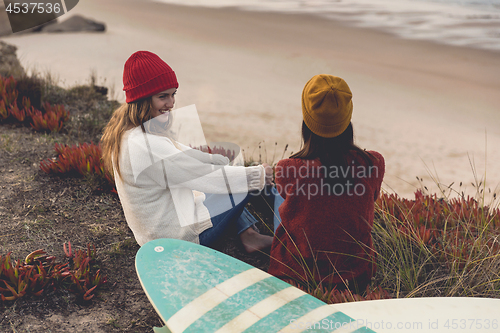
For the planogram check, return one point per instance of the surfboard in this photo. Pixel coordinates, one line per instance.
(197, 289)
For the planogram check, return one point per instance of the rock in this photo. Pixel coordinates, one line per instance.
(5, 28)
(42, 26)
(75, 23)
(9, 64)
(101, 90)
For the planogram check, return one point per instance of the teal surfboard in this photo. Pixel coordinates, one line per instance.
(197, 289)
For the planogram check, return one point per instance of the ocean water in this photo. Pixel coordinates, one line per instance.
(472, 23)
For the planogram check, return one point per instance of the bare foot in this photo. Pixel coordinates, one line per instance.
(253, 241)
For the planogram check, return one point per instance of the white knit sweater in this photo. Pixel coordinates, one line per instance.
(162, 186)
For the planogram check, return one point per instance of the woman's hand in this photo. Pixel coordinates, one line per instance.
(218, 159)
(269, 173)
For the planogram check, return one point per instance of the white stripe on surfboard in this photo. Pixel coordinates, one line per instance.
(261, 309)
(193, 311)
(315, 316)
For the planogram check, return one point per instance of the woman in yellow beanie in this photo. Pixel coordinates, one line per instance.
(327, 194)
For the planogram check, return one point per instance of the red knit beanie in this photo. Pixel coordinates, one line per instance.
(145, 74)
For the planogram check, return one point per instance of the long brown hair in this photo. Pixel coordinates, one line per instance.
(332, 152)
(127, 116)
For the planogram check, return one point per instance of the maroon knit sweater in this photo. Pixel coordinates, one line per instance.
(321, 235)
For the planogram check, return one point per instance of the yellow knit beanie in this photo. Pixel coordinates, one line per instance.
(327, 105)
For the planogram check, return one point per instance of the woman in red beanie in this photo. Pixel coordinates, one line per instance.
(329, 188)
(166, 189)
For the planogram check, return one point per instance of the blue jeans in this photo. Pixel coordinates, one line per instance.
(238, 214)
(278, 200)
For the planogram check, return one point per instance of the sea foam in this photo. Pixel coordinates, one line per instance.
(472, 23)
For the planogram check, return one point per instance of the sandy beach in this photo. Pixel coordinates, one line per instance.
(423, 105)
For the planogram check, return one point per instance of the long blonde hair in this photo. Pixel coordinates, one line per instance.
(127, 116)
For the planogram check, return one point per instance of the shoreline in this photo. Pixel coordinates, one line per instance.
(410, 16)
(417, 102)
